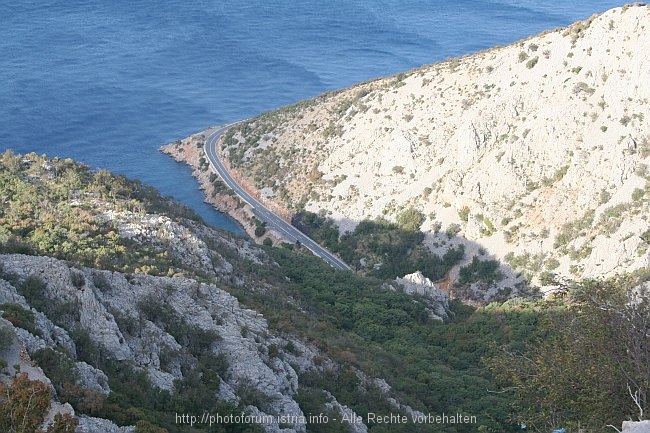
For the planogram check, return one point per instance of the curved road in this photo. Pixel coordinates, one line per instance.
(260, 211)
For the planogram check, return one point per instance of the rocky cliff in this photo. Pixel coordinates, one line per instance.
(144, 322)
(537, 150)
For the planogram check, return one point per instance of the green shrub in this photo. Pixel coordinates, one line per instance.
(6, 338)
(57, 366)
(487, 229)
(485, 271)
(33, 289)
(604, 196)
(20, 318)
(100, 280)
(78, 279)
(452, 230)
(583, 87)
(410, 219)
(575, 229)
(532, 62)
(318, 227)
(560, 173)
(273, 351)
(260, 230)
(552, 264)
(463, 213)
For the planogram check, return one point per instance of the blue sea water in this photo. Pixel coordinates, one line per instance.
(108, 83)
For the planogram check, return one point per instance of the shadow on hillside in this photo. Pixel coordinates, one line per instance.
(386, 250)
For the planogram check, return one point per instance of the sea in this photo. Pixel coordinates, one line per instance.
(108, 82)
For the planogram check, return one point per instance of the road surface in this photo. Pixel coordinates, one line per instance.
(261, 212)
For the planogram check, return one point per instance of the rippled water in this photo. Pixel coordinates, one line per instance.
(108, 83)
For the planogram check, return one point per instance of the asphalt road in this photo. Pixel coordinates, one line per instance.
(272, 220)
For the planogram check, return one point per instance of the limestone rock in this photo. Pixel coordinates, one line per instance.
(115, 319)
(436, 299)
(346, 413)
(98, 425)
(92, 378)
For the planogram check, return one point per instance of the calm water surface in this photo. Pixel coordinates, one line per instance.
(108, 83)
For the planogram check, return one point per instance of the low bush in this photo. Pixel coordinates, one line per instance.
(20, 318)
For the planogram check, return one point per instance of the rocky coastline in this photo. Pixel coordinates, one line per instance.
(190, 151)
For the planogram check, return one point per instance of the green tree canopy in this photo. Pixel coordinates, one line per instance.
(592, 368)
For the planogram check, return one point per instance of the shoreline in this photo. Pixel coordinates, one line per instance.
(189, 151)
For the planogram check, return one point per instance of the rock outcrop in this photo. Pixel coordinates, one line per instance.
(241, 335)
(144, 322)
(433, 296)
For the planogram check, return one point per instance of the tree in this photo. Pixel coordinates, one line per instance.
(6, 337)
(10, 161)
(65, 423)
(592, 366)
(410, 219)
(623, 316)
(24, 404)
(144, 426)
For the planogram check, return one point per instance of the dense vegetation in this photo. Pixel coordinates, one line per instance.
(389, 250)
(548, 363)
(591, 366)
(433, 367)
(55, 207)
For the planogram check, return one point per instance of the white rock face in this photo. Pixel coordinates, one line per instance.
(348, 414)
(418, 284)
(528, 137)
(98, 425)
(92, 378)
(161, 230)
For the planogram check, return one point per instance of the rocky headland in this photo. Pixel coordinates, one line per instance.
(190, 151)
(536, 153)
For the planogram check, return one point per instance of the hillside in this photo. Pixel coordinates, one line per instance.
(538, 151)
(121, 311)
(129, 309)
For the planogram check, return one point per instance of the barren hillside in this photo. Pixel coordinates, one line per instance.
(539, 151)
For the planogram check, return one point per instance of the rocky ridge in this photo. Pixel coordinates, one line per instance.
(539, 150)
(110, 309)
(145, 322)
